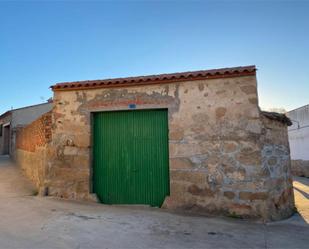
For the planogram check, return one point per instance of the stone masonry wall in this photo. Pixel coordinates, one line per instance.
(216, 139)
(32, 149)
(276, 166)
(300, 168)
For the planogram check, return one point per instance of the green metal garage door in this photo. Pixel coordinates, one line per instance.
(130, 156)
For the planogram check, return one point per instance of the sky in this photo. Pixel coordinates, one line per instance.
(46, 42)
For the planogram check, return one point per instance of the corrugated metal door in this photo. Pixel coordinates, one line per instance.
(131, 157)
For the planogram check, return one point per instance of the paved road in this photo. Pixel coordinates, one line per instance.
(27, 221)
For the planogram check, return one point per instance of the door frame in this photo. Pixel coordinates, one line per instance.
(6, 132)
(92, 113)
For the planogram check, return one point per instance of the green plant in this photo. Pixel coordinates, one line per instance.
(35, 192)
(234, 216)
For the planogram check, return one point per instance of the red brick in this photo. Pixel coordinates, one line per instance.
(36, 134)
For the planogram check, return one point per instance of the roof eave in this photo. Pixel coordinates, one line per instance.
(156, 79)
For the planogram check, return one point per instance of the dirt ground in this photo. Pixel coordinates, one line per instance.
(28, 221)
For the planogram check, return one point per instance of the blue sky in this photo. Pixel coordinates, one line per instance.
(42, 43)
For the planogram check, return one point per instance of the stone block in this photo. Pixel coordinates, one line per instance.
(230, 146)
(203, 192)
(196, 177)
(176, 134)
(229, 194)
(250, 156)
(251, 196)
(241, 209)
(250, 89)
(220, 112)
(70, 151)
(180, 163)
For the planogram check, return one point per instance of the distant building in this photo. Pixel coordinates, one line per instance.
(11, 120)
(299, 140)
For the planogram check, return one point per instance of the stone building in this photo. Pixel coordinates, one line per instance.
(299, 140)
(14, 119)
(191, 141)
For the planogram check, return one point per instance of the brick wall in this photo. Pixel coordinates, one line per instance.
(32, 148)
(36, 134)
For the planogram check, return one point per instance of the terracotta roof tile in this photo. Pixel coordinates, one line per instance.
(157, 79)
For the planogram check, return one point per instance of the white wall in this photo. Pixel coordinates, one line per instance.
(299, 133)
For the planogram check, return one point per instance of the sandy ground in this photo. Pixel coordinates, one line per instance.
(301, 194)
(27, 221)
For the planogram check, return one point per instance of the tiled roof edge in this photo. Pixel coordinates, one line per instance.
(156, 79)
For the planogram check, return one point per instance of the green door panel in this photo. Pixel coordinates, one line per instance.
(130, 157)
